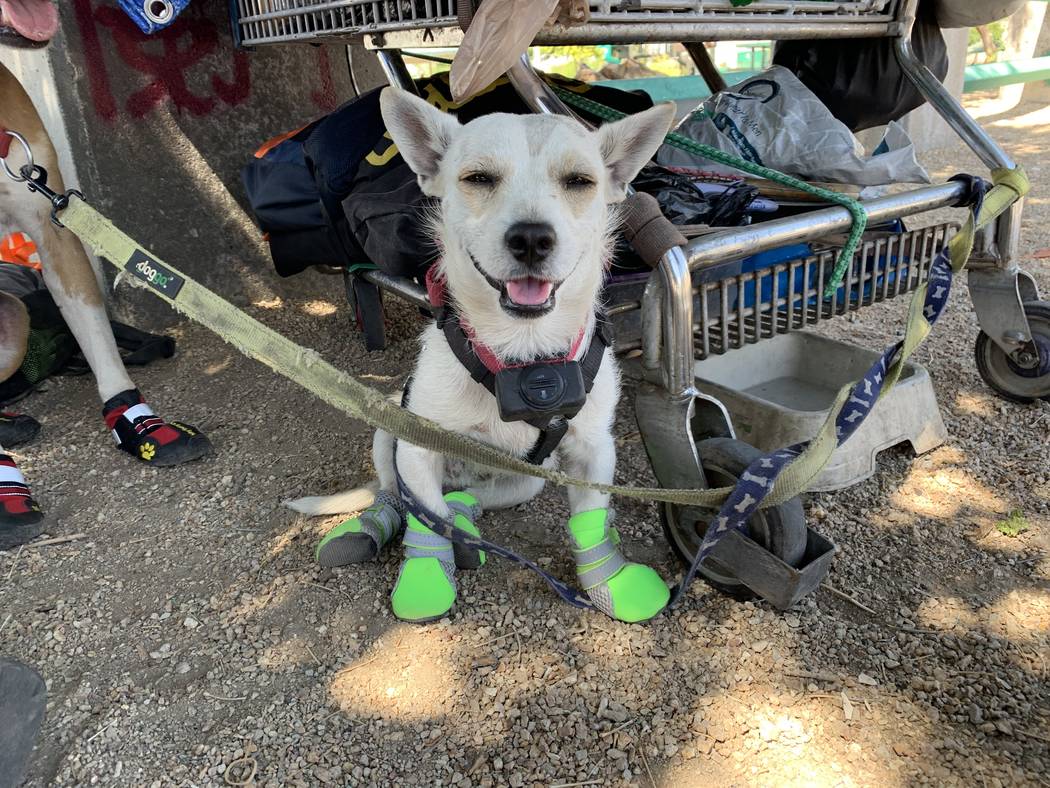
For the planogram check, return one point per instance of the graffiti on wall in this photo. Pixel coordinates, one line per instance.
(191, 65)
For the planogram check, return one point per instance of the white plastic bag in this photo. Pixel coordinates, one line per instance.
(774, 120)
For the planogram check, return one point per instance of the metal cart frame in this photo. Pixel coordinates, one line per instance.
(672, 414)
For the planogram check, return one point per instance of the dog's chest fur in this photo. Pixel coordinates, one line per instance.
(442, 390)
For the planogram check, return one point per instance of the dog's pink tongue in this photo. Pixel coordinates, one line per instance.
(529, 291)
(36, 20)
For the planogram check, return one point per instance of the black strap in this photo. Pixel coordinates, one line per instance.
(553, 430)
(601, 339)
(550, 436)
(464, 353)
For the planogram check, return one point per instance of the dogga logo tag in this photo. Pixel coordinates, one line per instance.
(154, 274)
(151, 274)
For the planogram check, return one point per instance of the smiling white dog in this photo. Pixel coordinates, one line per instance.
(518, 353)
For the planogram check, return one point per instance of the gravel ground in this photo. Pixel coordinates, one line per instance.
(188, 637)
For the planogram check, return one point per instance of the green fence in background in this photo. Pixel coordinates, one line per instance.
(988, 76)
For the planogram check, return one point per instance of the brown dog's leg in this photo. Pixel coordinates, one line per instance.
(73, 284)
(67, 270)
(14, 334)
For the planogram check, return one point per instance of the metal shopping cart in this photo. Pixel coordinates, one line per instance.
(726, 290)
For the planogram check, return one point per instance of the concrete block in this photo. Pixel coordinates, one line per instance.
(155, 129)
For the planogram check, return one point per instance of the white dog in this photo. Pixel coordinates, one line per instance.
(525, 227)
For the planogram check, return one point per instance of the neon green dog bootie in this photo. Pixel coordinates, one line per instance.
(622, 590)
(426, 585)
(361, 538)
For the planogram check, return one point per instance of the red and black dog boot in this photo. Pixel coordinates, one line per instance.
(17, 428)
(20, 516)
(146, 436)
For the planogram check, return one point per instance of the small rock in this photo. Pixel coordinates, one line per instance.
(864, 678)
(182, 667)
(759, 646)
(615, 754)
(847, 707)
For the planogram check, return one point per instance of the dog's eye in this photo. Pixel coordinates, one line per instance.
(479, 178)
(578, 181)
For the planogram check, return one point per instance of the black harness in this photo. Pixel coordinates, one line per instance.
(544, 393)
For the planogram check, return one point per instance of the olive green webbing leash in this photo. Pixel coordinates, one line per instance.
(369, 405)
(360, 401)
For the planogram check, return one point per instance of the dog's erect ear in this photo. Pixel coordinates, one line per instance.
(628, 144)
(421, 132)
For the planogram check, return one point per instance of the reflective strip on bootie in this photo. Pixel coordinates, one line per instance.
(361, 538)
(428, 545)
(619, 588)
(599, 572)
(383, 518)
(426, 583)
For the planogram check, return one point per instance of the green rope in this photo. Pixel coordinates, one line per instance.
(856, 210)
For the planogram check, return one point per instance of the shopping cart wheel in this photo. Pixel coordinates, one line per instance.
(779, 529)
(1024, 377)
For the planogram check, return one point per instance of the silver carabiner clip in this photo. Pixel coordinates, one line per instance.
(18, 177)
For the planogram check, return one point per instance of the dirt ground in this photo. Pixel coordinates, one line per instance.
(189, 638)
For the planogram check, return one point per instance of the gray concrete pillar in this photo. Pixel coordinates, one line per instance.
(367, 73)
(155, 130)
(925, 127)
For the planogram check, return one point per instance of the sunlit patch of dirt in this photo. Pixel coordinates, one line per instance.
(252, 605)
(1029, 120)
(288, 654)
(971, 404)
(319, 308)
(945, 491)
(408, 676)
(269, 303)
(1021, 616)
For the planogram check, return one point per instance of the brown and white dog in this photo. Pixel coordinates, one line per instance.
(76, 288)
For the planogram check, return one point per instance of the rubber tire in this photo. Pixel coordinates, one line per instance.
(780, 529)
(991, 360)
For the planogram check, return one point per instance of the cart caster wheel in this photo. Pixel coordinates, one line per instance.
(1024, 378)
(779, 529)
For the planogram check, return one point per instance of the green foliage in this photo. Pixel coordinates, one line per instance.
(997, 29)
(1014, 525)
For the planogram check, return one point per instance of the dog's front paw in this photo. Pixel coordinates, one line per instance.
(426, 585)
(619, 588)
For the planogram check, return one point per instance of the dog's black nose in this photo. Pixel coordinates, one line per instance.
(530, 242)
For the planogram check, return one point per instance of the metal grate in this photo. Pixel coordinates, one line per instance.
(712, 10)
(749, 307)
(284, 21)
